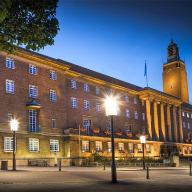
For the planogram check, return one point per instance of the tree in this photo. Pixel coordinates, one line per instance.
(27, 22)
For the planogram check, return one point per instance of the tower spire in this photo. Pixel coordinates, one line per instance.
(171, 38)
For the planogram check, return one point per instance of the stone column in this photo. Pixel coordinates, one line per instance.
(169, 122)
(163, 121)
(148, 114)
(175, 124)
(156, 124)
(180, 124)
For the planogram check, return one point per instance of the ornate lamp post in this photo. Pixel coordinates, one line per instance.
(142, 139)
(14, 128)
(111, 110)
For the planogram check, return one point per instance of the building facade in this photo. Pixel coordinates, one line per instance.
(60, 108)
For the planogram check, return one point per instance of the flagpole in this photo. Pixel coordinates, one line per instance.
(146, 72)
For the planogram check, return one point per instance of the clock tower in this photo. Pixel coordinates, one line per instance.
(175, 75)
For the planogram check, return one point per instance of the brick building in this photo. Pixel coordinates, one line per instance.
(51, 99)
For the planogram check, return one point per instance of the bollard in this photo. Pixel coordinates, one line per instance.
(60, 166)
(147, 173)
(104, 165)
(190, 170)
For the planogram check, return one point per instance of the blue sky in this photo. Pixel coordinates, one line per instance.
(116, 37)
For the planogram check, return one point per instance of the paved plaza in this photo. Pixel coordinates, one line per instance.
(94, 179)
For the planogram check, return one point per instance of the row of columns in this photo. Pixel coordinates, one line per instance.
(162, 118)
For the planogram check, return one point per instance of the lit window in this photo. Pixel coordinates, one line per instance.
(53, 95)
(108, 126)
(130, 147)
(183, 113)
(188, 115)
(135, 100)
(54, 145)
(33, 91)
(109, 147)
(87, 126)
(143, 103)
(73, 102)
(185, 150)
(98, 146)
(108, 93)
(52, 75)
(53, 123)
(119, 112)
(33, 69)
(97, 90)
(73, 84)
(127, 113)
(128, 128)
(98, 107)
(121, 147)
(9, 86)
(8, 144)
(126, 99)
(86, 88)
(10, 63)
(188, 125)
(118, 96)
(139, 147)
(33, 145)
(85, 146)
(190, 150)
(86, 105)
(143, 116)
(135, 115)
(10, 117)
(148, 149)
(32, 120)
(183, 124)
(191, 115)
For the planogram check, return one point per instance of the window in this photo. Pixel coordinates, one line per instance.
(73, 84)
(10, 63)
(148, 150)
(109, 147)
(108, 126)
(53, 123)
(98, 146)
(86, 88)
(86, 105)
(33, 91)
(33, 69)
(87, 126)
(185, 150)
(183, 124)
(135, 115)
(33, 145)
(130, 147)
(53, 75)
(143, 116)
(190, 150)
(85, 146)
(73, 102)
(191, 115)
(143, 103)
(32, 120)
(54, 145)
(139, 147)
(10, 117)
(9, 86)
(127, 113)
(119, 112)
(53, 95)
(128, 128)
(188, 115)
(188, 125)
(97, 90)
(183, 113)
(126, 99)
(108, 93)
(121, 147)
(118, 96)
(135, 100)
(8, 144)
(98, 107)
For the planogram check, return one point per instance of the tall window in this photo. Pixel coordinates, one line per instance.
(188, 125)
(130, 147)
(32, 120)
(86, 88)
(126, 99)
(118, 96)
(108, 126)
(85, 146)
(9, 86)
(109, 147)
(135, 115)
(98, 107)
(98, 146)
(97, 90)
(188, 115)
(119, 112)
(185, 150)
(8, 144)
(33, 69)
(148, 149)
(10, 63)
(127, 113)
(128, 128)
(121, 147)
(143, 116)
(33, 145)
(73, 102)
(86, 105)
(183, 124)
(139, 147)
(135, 100)
(73, 84)
(53, 123)
(33, 91)
(53, 95)
(183, 113)
(52, 75)
(87, 126)
(54, 145)
(10, 117)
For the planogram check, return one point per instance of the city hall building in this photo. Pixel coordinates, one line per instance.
(60, 109)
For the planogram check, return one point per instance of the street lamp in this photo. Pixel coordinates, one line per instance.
(111, 110)
(14, 127)
(142, 139)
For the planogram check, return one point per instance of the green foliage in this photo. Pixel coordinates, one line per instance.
(28, 22)
(98, 158)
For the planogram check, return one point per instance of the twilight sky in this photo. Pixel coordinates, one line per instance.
(115, 37)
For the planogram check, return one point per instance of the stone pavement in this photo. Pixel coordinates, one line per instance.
(95, 179)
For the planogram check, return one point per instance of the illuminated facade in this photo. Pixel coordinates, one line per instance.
(52, 98)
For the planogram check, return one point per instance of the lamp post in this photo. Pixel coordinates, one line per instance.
(111, 110)
(14, 128)
(142, 139)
